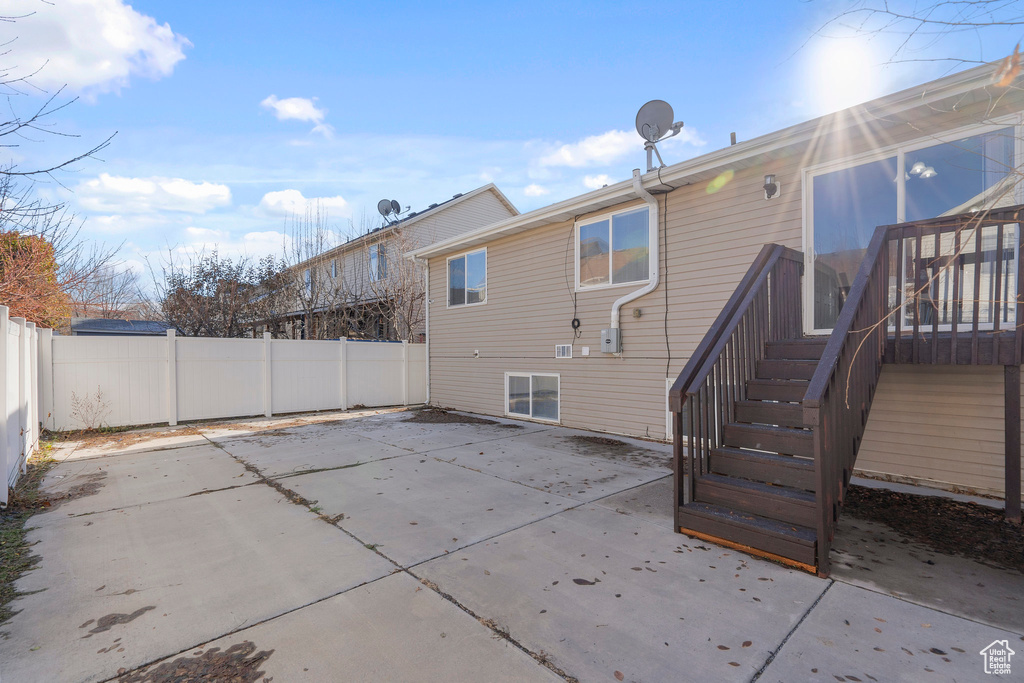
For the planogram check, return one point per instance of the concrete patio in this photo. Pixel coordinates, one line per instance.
(361, 546)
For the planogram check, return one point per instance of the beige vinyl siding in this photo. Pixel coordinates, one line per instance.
(709, 243)
(943, 425)
(473, 212)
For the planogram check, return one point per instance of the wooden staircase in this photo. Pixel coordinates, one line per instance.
(759, 490)
(768, 423)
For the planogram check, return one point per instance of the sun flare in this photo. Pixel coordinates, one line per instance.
(843, 74)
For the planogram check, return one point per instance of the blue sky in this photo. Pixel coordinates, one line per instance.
(230, 115)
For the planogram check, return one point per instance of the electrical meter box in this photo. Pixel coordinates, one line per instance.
(611, 342)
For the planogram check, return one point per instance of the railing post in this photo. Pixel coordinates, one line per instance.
(172, 379)
(1011, 416)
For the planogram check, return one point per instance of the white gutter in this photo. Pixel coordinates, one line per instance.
(653, 251)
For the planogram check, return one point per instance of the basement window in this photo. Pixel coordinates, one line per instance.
(613, 250)
(467, 279)
(532, 395)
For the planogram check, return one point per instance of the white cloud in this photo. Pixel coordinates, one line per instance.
(535, 190)
(290, 202)
(299, 109)
(120, 195)
(596, 150)
(596, 182)
(93, 46)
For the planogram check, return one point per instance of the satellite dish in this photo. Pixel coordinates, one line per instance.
(654, 120)
(396, 207)
(385, 207)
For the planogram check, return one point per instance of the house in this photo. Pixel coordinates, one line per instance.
(363, 289)
(726, 274)
(95, 327)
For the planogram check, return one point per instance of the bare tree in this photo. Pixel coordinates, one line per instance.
(207, 295)
(113, 292)
(395, 285)
(22, 211)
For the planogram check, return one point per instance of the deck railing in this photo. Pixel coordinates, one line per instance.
(939, 291)
(765, 307)
(953, 293)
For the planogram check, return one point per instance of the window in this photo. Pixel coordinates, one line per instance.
(378, 262)
(308, 276)
(912, 183)
(613, 250)
(532, 395)
(467, 279)
(334, 268)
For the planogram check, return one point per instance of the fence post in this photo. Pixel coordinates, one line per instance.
(22, 388)
(4, 408)
(172, 379)
(32, 409)
(46, 378)
(268, 387)
(344, 373)
(405, 372)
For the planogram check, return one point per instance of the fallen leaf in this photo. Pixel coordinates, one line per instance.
(582, 582)
(747, 643)
(619, 676)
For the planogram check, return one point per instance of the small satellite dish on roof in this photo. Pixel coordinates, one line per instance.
(385, 206)
(396, 208)
(653, 123)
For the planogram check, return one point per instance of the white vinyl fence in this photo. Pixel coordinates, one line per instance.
(20, 381)
(119, 381)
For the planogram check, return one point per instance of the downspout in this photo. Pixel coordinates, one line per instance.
(426, 302)
(654, 255)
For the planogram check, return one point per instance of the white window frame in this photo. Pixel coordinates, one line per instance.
(597, 219)
(378, 256)
(899, 151)
(334, 268)
(308, 276)
(530, 376)
(448, 275)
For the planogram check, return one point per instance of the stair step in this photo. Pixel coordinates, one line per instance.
(793, 542)
(770, 468)
(768, 413)
(786, 369)
(796, 349)
(776, 390)
(764, 438)
(775, 502)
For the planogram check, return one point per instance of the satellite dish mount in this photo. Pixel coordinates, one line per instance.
(389, 207)
(654, 123)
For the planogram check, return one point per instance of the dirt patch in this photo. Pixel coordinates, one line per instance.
(442, 416)
(599, 441)
(119, 437)
(620, 451)
(946, 526)
(240, 663)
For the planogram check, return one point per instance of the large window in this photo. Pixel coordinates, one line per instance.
(467, 279)
(613, 250)
(532, 395)
(911, 183)
(378, 262)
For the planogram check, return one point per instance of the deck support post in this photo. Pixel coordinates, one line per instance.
(1011, 382)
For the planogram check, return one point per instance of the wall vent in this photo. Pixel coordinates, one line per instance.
(563, 350)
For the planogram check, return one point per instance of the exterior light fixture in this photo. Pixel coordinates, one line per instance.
(771, 188)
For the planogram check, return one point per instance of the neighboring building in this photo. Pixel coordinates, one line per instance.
(550, 279)
(364, 289)
(104, 327)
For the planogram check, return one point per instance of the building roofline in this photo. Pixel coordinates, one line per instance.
(408, 221)
(609, 195)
